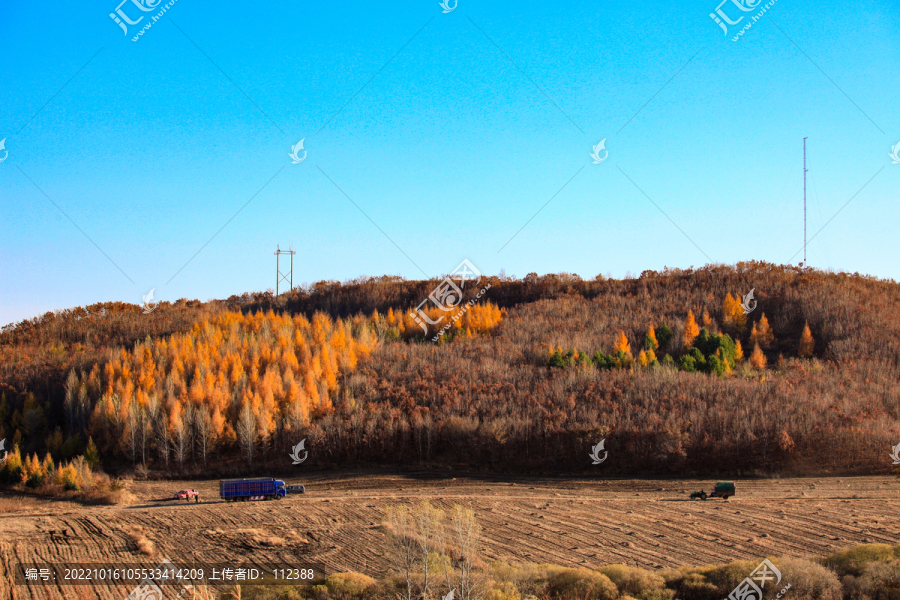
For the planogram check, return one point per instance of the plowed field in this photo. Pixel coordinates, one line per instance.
(650, 524)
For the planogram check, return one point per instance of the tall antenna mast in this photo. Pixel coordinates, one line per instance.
(804, 201)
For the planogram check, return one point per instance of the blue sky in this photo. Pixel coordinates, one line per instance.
(448, 133)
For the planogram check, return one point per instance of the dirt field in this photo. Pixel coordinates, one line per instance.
(650, 524)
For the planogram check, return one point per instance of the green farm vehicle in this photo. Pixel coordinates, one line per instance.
(723, 490)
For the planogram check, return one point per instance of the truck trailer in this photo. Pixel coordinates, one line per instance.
(241, 490)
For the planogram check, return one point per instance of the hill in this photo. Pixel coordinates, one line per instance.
(666, 368)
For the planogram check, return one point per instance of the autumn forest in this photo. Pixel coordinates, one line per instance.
(668, 367)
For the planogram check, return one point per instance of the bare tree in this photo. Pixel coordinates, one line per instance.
(180, 422)
(430, 538)
(204, 433)
(71, 399)
(190, 413)
(466, 533)
(84, 406)
(130, 439)
(403, 547)
(295, 418)
(160, 429)
(246, 432)
(136, 433)
(143, 431)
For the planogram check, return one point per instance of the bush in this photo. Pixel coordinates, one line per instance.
(881, 581)
(529, 579)
(853, 560)
(349, 586)
(709, 582)
(696, 587)
(633, 581)
(503, 591)
(35, 480)
(661, 594)
(581, 584)
(808, 580)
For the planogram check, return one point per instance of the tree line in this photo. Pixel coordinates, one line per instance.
(804, 382)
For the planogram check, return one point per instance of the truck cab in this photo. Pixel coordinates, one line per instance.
(279, 488)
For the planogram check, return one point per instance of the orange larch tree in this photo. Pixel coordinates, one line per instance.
(806, 342)
(622, 344)
(691, 331)
(757, 358)
(762, 333)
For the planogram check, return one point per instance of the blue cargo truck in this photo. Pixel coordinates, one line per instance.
(241, 490)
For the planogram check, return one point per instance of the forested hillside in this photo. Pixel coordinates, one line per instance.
(667, 368)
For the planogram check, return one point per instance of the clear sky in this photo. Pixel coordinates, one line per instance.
(432, 137)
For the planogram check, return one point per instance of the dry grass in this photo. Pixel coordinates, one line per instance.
(293, 536)
(262, 537)
(13, 504)
(202, 592)
(144, 544)
(110, 497)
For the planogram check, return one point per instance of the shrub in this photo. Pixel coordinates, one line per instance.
(660, 594)
(632, 580)
(581, 584)
(881, 581)
(530, 579)
(503, 591)
(709, 582)
(349, 586)
(808, 580)
(35, 480)
(694, 586)
(853, 560)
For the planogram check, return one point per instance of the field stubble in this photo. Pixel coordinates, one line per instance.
(337, 523)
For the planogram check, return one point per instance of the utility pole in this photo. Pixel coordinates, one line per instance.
(804, 201)
(279, 276)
